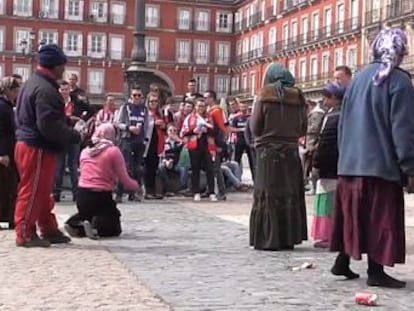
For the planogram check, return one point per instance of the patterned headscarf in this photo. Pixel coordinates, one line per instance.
(389, 48)
(335, 89)
(280, 77)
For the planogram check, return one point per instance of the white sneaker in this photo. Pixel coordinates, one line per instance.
(197, 197)
(213, 198)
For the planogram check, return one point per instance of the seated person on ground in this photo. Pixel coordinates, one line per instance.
(101, 163)
(169, 161)
(233, 174)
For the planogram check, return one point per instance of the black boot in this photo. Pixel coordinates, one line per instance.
(341, 267)
(377, 277)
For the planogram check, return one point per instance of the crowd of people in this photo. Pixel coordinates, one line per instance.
(354, 151)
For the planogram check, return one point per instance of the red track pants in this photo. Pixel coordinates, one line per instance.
(35, 202)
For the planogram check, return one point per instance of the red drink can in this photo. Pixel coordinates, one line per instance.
(366, 299)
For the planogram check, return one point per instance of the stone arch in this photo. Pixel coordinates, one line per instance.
(143, 77)
(166, 78)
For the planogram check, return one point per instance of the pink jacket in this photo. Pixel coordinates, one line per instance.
(100, 172)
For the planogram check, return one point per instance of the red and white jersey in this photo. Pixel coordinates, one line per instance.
(104, 116)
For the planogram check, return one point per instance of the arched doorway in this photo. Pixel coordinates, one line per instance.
(144, 77)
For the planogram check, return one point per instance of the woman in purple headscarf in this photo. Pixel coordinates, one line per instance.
(376, 159)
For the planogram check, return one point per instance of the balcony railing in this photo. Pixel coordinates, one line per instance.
(373, 17)
(241, 92)
(288, 5)
(399, 8)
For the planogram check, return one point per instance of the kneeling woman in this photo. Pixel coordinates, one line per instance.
(100, 164)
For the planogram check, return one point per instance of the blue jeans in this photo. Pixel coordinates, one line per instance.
(233, 173)
(182, 172)
(71, 155)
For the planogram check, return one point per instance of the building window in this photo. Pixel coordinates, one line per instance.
(272, 40)
(201, 52)
(202, 83)
(97, 45)
(74, 10)
(49, 9)
(285, 35)
(294, 30)
(118, 13)
(72, 44)
(222, 86)
(48, 36)
(23, 7)
(235, 83)
(252, 84)
(302, 75)
(2, 38)
(223, 53)
(202, 20)
(292, 67)
(95, 81)
(2, 5)
(151, 48)
(224, 22)
(183, 51)
(22, 35)
(352, 58)
(184, 19)
(244, 83)
(98, 12)
(325, 65)
(340, 17)
(314, 68)
(339, 57)
(354, 13)
(23, 70)
(152, 16)
(116, 47)
(2, 73)
(304, 29)
(315, 25)
(328, 21)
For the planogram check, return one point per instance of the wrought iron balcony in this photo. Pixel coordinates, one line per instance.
(399, 8)
(373, 17)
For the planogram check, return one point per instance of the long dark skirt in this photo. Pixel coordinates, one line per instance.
(278, 216)
(99, 208)
(369, 218)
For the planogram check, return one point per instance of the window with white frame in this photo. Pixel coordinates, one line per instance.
(74, 10)
(354, 13)
(325, 64)
(201, 51)
(202, 20)
(96, 81)
(99, 11)
(272, 40)
(221, 86)
(238, 48)
(118, 11)
(184, 19)
(304, 29)
(49, 9)
(252, 83)
(97, 45)
(23, 70)
(315, 25)
(328, 21)
(274, 7)
(253, 44)
(22, 43)
(285, 35)
(223, 53)
(294, 31)
(245, 49)
(292, 67)
(151, 48)
(339, 57)
(203, 82)
(248, 17)
(48, 36)
(340, 17)
(351, 58)
(235, 83)
(224, 22)
(2, 39)
(314, 67)
(72, 43)
(260, 43)
(302, 66)
(183, 51)
(23, 7)
(73, 70)
(116, 47)
(2, 73)
(152, 16)
(2, 6)
(244, 82)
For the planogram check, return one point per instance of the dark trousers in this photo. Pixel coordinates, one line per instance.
(239, 149)
(71, 155)
(133, 155)
(218, 172)
(99, 209)
(201, 157)
(8, 193)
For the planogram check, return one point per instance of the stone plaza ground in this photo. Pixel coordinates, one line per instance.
(180, 255)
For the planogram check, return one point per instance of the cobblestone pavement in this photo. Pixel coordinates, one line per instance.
(179, 255)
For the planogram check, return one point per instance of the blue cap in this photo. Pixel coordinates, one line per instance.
(51, 55)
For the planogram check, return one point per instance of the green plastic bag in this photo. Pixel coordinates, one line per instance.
(184, 160)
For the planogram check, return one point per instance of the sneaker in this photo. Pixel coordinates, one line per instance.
(73, 232)
(221, 197)
(213, 198)
(36, 241)
(90, 231)
(197, 197)
(57, 238)
(118, 199)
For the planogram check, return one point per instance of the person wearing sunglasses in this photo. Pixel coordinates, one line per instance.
(131, 122)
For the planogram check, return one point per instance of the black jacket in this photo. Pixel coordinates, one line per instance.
(325, 157)
(7, 129)
(81, 108)
(40, 116)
